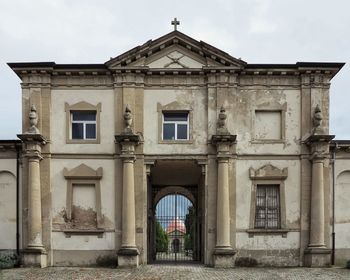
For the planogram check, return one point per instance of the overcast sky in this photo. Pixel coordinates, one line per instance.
(92, 31)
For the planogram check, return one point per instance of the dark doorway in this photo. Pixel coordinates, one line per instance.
(175, 228)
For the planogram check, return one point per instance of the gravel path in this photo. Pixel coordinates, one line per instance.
(157, 272)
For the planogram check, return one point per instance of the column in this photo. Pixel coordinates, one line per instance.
(223, 213)
(34, 221)
(317, 254)
(128, 222)
(223, 255)
(128, 254)
(34, 254)
(317, 205)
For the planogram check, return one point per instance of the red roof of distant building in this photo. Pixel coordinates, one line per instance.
(176, 224)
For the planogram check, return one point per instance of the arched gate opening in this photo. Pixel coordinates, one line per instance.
(176, 225)
(176, 196)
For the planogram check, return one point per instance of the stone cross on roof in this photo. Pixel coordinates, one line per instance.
(175, 22)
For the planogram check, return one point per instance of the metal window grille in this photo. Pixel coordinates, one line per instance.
(267, 210)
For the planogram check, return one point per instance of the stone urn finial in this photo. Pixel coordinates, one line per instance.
(316, 120)
(33, 121)
(221, 124)
(127, 120)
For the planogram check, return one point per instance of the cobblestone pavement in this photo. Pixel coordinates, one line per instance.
(157, 272)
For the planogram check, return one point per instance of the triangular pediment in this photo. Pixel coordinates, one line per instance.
(175, 50)
(268, 172)
(173, 57)
(82, 172)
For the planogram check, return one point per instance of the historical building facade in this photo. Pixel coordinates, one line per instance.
(247, 145)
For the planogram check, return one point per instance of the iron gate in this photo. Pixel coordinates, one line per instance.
(176, 229)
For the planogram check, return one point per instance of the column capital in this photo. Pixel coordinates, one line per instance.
(223, 145)
(319, 146)
(33, 155)
(315, 139)
(203, 164)
(126, 138)
(128, 142)
(223, 139)
(149, 163)
(33, 144)
(223, 159)
(29, 138)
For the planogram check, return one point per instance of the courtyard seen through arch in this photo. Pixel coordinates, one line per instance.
(175, 228)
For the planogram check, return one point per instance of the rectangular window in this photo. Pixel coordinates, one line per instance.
(267, 211)
(83, 125)
(175, 126)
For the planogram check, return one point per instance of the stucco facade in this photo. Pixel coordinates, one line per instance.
(249, 126)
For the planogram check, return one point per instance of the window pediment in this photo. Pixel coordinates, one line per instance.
(268, 172)
(82, 172)
(83, 106)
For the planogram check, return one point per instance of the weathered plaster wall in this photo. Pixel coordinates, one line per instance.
(342, 214)
(81, 243)
(243, 114)
(59, 194)
(291, 185)
(73, 96)
(7, 201)
(269, 249)
(8, 162)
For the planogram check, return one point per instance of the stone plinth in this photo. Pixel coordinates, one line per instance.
(224, 257)
(317, 257)
(128, 257)
(34, 258)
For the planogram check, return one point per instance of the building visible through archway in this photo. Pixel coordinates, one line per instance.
(175, 224)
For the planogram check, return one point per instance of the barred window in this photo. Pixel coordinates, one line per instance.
(267, 211)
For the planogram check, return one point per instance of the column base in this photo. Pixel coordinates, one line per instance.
(317, 257)
(34, 258)
(128, 257)
(224, 257)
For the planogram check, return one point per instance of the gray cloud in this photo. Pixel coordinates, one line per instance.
(91, 31)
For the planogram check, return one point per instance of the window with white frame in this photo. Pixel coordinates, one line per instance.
(175, 126)
(83, 125)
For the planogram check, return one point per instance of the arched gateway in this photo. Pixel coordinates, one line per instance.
(175, 224)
